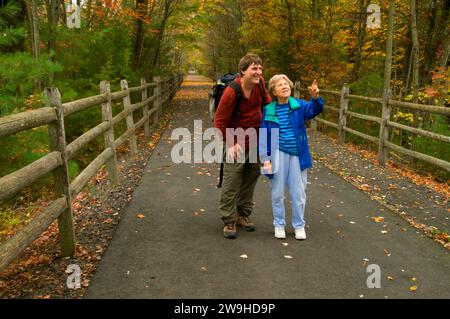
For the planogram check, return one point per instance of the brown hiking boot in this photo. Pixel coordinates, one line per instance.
(246, 222)
(229, 230)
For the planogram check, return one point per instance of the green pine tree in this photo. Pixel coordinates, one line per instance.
(10, 34)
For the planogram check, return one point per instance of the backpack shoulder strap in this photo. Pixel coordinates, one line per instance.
(237, 90)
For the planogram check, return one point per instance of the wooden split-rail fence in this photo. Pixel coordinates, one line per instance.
(56, 161)
(384, 145)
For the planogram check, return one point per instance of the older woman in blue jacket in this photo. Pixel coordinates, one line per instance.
(284, 150)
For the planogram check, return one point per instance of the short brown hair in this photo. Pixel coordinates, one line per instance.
(248, 60)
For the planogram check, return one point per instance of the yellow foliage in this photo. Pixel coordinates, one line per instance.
(409, 117)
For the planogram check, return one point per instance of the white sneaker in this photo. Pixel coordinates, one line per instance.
(279, 233)
(300, 233)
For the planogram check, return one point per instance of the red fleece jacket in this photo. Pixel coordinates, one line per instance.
(249, 114)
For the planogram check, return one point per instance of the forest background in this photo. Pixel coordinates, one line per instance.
(326, 40)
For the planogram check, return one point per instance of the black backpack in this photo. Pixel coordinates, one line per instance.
(217, 91)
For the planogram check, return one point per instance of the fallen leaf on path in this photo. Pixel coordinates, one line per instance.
(140, 216)
(390, 278)
(86, 283)
(378, 219)
(413, 288)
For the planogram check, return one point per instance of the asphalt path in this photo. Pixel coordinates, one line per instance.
(177, 249)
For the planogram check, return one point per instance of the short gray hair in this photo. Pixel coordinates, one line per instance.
(274, 80)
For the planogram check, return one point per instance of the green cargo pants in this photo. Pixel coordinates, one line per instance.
(239, 181)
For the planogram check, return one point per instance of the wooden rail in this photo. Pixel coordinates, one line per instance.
(56, 161)
(381, 140)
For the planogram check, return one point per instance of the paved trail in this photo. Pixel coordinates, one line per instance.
(178, 251)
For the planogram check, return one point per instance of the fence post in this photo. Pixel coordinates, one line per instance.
(172, 85)
(166, 90)
(145, 109)
(57, 137)
(343, 105)
(163, 92)
(386, 111)
(157, 100)
(130, 121)
(105, 88)
(384, 129)
(296, 89)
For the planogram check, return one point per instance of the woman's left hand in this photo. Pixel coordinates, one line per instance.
(314, 89)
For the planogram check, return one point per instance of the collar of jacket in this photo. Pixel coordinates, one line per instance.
(271, 112)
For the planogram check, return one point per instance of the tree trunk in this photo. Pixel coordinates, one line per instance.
(407, 69)
(362, 21)
(429, 45)
(386, 112)
(389, 40)
(443, 65)
(415, 53)
(330, 22)
(35, 38)
(290, 22)
(285, 55)
(141, 8)
(63, 14)
(167, 12)
(52, 11)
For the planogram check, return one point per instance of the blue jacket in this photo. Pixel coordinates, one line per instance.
(301, 111)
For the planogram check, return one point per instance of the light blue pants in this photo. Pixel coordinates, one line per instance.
(286, 169)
